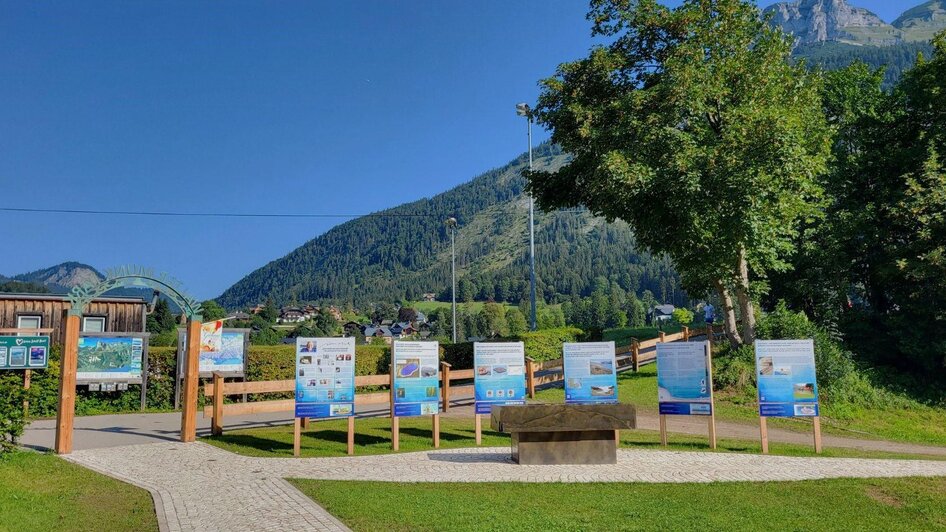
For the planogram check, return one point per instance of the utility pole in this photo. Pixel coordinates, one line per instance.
(522, 109)
(452, 224)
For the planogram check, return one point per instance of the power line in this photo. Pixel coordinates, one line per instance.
(228, 214)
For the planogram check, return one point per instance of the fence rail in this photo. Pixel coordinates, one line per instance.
(538, 373)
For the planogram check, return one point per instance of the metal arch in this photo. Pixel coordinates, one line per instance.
(134, 277)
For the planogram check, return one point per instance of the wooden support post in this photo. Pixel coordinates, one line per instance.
(663, 430)
(709, 337)
(617, 438)
(66, 410)
(478, 429)
(816, 421)
(216, 421)
(436, 431)
(764, 434)
(191, 382)
(445, 375)
(305, 423)
(712, 416)
(530, 377)
(296, 437)
(351, 435)
(27, 376)
(395, 434)
(686, 334)
(635, 355)
(661, 335)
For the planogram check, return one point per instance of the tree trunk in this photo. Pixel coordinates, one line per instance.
(745, 300)
(729, 314)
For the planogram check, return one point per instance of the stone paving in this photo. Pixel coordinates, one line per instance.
(200, 487)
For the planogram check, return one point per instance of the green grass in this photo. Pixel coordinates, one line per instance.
(625, 335)
(917, 424)
(44, 492)
(373, 436)
(842, 504)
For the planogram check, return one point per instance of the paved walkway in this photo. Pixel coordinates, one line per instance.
(200, 487)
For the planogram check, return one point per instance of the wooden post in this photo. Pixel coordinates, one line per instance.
(296, 437)
(686, 333)
(351, 435)
(216, 421)
(663, 430)
(305, 423)
(436, 431)
(764, 433)
(661, 336)
(712, 416)
(445, 375)
(395, 427)
(635, 355)
(27, 376)
(478, 429)
(530, 377)
(817, 425)
(66, 410)
(191, 382)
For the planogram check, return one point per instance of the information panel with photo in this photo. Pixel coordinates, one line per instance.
(787, 380)
(416, 378)
(110, 358)
(228, 356)
(590, 373)
(24, 352)
(325, 377)
(499, 374)
(683, 378)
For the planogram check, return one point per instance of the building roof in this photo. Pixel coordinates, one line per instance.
(664, 309)
(64, 297)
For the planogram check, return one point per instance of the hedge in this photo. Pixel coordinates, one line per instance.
(264, 363)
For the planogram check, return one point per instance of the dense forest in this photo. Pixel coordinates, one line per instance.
(404, 252)
(895, 59)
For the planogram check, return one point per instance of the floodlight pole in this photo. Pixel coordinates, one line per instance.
(522, 109)
(452, 223)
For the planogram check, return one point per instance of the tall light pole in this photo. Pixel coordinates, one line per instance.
(452, 224)
(522, 109)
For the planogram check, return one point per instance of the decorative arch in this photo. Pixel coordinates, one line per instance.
(134, 277)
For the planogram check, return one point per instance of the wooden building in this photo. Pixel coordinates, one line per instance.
(43, 311)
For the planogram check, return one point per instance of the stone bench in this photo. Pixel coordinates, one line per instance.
(563, 434)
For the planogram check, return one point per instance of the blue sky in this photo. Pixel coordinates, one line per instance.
(321, 107)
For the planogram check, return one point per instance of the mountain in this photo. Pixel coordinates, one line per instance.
(404, 252)
(923, 21)
(832, 20)
(61, 277)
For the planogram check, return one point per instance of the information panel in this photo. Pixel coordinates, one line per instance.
(416, 378)
(110, 358)
(786, 375)
(683, 378)
(590, 373)
(325, 377)
(24, 352)
(499, 374)
(230, 358)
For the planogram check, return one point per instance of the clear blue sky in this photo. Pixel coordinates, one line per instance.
(322, 107)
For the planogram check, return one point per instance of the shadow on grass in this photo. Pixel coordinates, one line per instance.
(341, 437)
(254, 442)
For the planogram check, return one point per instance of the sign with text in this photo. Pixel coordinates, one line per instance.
(590, 373)
(416, 378)
(683, 379)
(499, 374)
(24, 352)
(229, 358)
(110, 358)
(325, 377)
(787, 379)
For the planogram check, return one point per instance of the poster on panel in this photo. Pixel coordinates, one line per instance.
(590, 373)
(787, 379)
(110, 358)
(325, 377)
(499, 374)
(416, 378)
(683, 379)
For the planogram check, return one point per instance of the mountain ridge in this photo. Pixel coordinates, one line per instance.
(813, 21)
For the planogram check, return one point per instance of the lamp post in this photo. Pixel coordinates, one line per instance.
(523, 109)
(452, 224)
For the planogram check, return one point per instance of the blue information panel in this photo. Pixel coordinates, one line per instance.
(500, 377)
(683, 379)
(416, 378)
(590, 373)
(786, 374)
(24, 352)
(325, 377)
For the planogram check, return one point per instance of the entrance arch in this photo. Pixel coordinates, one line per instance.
(79, 298)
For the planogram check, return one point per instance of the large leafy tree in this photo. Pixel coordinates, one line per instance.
(693, 126)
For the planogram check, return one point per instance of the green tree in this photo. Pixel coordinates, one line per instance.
(406, 314)
(492, 320)
(161, 320)
(697, 113)
(516, 321)
(682, 316)
(270, 311)
(383, 311)
(211, 311)
(464, 291)
(636, 315)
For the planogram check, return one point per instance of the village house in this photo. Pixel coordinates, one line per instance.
(47, 311)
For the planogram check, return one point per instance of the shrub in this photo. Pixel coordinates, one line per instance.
(12, 420)
(682, 316)
(546, 344)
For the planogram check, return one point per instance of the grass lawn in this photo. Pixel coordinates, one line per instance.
(844, 504)
(918, 424)
(373, 436)
(44, 492)
(625, 335)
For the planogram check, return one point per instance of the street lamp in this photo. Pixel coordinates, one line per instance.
(452, 224)
(523, 109)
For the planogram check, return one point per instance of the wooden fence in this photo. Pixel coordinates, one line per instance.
(630, 356)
